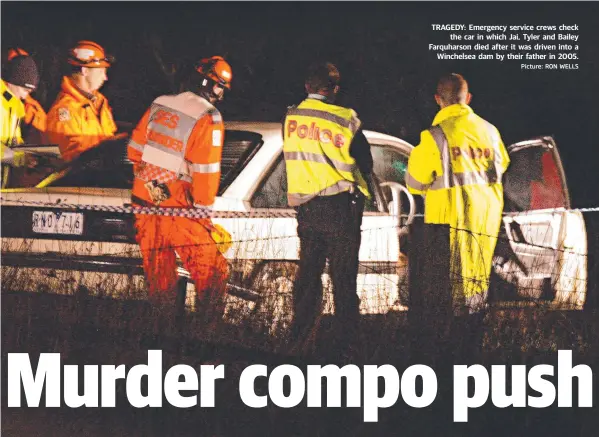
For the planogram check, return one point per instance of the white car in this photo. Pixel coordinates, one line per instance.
(541, 255)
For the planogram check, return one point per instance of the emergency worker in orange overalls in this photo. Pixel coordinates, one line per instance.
(176, 150)
(35, 116)
(80, 117)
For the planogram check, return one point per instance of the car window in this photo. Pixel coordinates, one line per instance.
(107, 165)
(272, 192)
(104, 166)
(238, 149)
(533, 181)
(24, 177)
(97, 177)
(389, 165)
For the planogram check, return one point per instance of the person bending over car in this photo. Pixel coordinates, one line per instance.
(176, 150)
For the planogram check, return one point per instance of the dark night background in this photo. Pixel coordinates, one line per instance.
(381, 48)
(388, 77)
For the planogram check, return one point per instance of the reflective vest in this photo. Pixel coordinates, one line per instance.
(176, 149)
(13, 112)
(316, 144)
(458, 167)
(77, 123)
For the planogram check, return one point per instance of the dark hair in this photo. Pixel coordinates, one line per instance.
(452, 89)
(75, 69)
(322, 77)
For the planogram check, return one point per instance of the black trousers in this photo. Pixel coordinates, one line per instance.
(328, 228)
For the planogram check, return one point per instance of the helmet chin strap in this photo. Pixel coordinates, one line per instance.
(207, 91)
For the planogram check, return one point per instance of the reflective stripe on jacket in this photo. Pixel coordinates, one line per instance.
(12, 114)
(178, 143)
(77, 123)
(316, 146)
(458, 167)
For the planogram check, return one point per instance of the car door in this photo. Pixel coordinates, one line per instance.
(541, 251)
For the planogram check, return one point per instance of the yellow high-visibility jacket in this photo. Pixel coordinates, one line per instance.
(316, 145)
(458, 167)
(12, 113)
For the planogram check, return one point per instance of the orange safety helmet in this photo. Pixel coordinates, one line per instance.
(13, 53)
(216, 69)
(89, 54)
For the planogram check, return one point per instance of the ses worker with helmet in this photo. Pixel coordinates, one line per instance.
(458, 167)
(328, 162)
(19, 78)
(176, 150)
(81, 118)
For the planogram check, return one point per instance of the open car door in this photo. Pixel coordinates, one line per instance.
(541, 251)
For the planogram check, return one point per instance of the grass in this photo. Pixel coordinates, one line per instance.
(92, 330)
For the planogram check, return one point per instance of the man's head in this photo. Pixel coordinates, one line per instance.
(452, 89)
(211, 77)
(323, 79)
(21, 76)
(90, 63)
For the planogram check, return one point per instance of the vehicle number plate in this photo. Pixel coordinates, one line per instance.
(50, 222)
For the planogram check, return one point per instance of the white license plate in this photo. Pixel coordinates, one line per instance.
(49, 222)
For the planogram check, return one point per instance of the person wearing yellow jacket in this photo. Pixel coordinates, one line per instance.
(458, 167)
(35, 116)
(20, 78)
(81, 118)
(328, 163)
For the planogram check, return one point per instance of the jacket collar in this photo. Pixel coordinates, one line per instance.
(317, 97)
(82, 97)
(4, 89)
(457, 110)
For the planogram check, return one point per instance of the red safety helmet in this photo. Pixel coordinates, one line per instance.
(216, 69)
(89, 54)
(13, 53)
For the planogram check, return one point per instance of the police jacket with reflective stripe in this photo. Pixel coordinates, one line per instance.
(458, 167)
(12, 114)
(316, 144)
(178, 144)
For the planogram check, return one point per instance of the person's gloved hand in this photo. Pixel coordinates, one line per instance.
(35, 114)
(221, 237)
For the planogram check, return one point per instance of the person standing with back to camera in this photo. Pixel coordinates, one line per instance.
(328, 163)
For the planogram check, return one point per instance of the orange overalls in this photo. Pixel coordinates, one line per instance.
(77, 123)
(176, 151)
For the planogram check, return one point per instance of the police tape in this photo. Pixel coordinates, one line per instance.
(198, 212)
